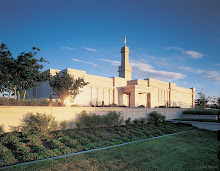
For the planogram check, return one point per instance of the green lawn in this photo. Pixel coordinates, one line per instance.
(194, 150)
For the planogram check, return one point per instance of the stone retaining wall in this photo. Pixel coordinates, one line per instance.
(11, 116)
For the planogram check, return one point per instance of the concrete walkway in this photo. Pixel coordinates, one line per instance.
(212, 126)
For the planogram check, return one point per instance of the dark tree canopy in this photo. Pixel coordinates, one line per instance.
(22, 73)
(201, 101)
(64, 85)
(6, 61)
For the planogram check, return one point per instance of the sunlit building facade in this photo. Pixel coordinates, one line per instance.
(122, 90)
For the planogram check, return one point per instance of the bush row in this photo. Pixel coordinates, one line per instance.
(201, 111)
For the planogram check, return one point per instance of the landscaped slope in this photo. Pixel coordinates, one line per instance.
(18, 148)
(193, 150)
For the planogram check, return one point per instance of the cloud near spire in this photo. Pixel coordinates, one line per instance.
(190, 53)
(145, 70)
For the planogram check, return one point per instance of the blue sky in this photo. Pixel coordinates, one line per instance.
(175, 41)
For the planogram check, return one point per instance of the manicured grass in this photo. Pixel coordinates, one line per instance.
(197, 120)
(193, 150)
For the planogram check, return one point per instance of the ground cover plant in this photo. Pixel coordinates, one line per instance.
(36, 145)
(198, 120)
(192, 150)
(201, 111)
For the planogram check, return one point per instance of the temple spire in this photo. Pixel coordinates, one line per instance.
(125, 69)
(125, 40)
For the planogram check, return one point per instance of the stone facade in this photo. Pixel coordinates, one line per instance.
(122, 90)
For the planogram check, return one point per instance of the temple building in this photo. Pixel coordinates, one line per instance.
(122, 90)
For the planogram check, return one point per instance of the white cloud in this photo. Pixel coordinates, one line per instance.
(193, 54)
(67, 48)
(144, 70)
(213, 76)
(85, 62)
(89, 49)
(160, 61)
(175, 48)
(190, 69)
(190, 53)
(115, 63)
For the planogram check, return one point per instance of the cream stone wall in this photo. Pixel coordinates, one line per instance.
(169, 93)
(11, 116)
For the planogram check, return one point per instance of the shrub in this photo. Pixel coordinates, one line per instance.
(63, 125)
(113, 105)
(55, 143)
(34, 140)
(91, 146)
(136, 121)
(116, 141)
(54, 125)
(6, 156)
(64, 139)
(142, 106)
(159, 132)
(65, 150)
(21, 148)
(32, 102)
(92, 120)
(143, 121)
(162, 106)
(78, 148)
(28, 156)
(84, 141)
(201, 112)
(128, 121)
(79, 120)
(1, 129)
(37, 123)
(113, 118)
(9, 139)
(37, 102)
(67, 141)
(79, 125)
(156, 117)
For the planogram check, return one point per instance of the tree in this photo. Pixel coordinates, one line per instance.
(29, 71)
(6, 61)
(64, 85)
(201, 101)
(22, 73)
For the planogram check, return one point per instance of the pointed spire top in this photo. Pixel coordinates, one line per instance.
(125, 40)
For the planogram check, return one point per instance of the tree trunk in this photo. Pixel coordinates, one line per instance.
(19, 97)
(24, 94)
(15, 93)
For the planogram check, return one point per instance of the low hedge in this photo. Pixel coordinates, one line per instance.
(201, 111)
(198, 120)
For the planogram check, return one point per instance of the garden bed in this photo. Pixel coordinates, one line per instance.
(191, 150)
(17, 148)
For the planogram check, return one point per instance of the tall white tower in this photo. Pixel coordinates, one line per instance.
(125, 69)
